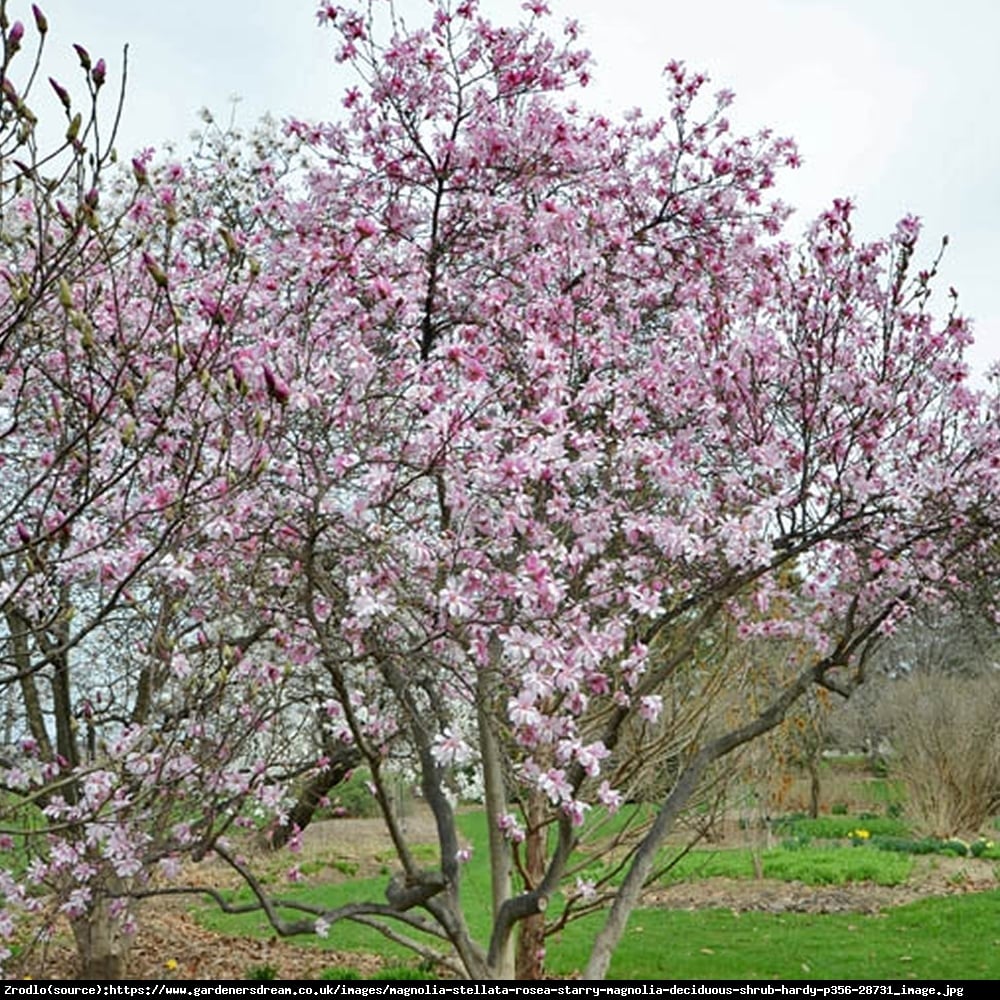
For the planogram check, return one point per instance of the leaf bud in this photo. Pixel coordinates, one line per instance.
(227, 237)
(155, 271)
(82, 324)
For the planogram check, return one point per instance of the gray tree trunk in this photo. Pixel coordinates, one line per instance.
(103, 942)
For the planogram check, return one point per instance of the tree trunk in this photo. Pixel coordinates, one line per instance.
(691, 774)
(642, 864)
(496, 804)
(103, 942)
(530, 964)
(814, 788)
(312, 795)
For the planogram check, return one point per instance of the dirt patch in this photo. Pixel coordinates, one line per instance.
(172, 945)
(938, 876)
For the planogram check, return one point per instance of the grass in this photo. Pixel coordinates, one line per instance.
(809, 865)
(942, 938)
(836, 827)
(955, 937)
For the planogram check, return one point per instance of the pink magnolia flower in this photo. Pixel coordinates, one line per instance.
(609, 797)
(651, 707)
(510, 826)
(450, 749)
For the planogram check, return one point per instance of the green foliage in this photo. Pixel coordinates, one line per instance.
(837, 827)
(354, 798)
(317, 866)
(906, 845)
(796, 843)
(880, 767)
(809, 865)
(890, 793)
(25, 824)
(981, 848)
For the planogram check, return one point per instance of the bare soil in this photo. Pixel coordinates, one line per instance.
(171, 944)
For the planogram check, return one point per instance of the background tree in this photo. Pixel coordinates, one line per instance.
(139, 695)
(936, 716)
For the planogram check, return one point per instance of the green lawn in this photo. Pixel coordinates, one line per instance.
(957, 937)
(954, 937)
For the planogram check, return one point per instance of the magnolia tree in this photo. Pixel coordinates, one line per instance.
(563, 407)
(475, 449)
(139, 693)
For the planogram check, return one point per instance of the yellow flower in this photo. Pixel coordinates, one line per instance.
(170, 964)
(861, 834)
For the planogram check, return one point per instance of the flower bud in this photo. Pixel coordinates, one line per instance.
(99, 73)
(276, 387)
(14, 37)
(83, 55)
(41, 21)
(65, 214)
(61, 92)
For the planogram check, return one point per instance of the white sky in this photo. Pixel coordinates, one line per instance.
(893, 102)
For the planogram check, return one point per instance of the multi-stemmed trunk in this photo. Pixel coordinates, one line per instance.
(104, 938)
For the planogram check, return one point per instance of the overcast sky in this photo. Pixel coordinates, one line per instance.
(893, 102)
